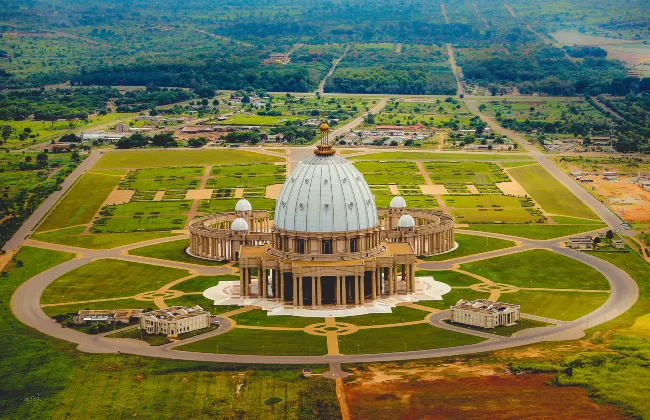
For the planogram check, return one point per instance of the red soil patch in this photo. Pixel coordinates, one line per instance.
(496, 397)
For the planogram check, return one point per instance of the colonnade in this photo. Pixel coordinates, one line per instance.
(348, 289)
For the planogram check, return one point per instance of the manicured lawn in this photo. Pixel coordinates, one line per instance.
(107, 279)
(424, 156)
(565, 220)
(201, 283)
(203, 302)
(407, 338)
(134, 333)
(48, 378)
(452, 278)
(398, 315)
(110, 304)
(163, 158)
(262, 342)
(139, 223)
(470, 245)
(82, 202)
(228, 204)
(174, 251)
(534, 231)
(71, 237)
(453, 297)
(550, 193)
(539, 268)
(523, 324)
(488, 208)
(565, 306)
(259, 317)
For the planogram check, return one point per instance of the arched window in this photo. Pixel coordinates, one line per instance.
(327, 247)
(353, 245)
(301, 246)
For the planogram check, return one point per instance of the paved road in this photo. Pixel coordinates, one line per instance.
(25, 304)
(27, 229)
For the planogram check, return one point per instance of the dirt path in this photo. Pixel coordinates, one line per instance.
(487, 26)
(424, 173)
(530, 28)
(340, 395)
(444, 13)
(321, 86)
(224, 38)
(455, 69)
(606, 108)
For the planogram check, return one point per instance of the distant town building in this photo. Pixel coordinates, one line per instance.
(174, 320)
(121, 128)
(618, 243)
(484, 313)
(60, 148)
(112, 316)
(281, 58)
(198, 129)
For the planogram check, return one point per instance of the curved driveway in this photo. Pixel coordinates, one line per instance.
(25, 304)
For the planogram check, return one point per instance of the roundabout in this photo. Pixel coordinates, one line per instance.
(622, 293)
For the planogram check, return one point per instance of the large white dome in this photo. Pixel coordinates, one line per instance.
(325, 194)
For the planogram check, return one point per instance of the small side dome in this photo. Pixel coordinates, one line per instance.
(239, 224)
(398, 202)
(243, 205)
(406, 221)
(324, 127)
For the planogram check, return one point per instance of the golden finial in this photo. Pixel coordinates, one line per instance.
(324, 148)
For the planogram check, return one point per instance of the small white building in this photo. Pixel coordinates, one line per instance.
(174, 320)
(484, 313)
(581, 242)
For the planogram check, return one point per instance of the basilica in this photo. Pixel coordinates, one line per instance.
(328, 245)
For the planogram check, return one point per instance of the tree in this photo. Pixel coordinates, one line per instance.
(370, 118)
(75, 156)
(609, 234)
(28, 158)
(41, 158)
(70, 138)
(7, 130)
(197, 142)
(164, 140)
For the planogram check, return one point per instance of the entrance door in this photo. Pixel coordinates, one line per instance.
(328, 294)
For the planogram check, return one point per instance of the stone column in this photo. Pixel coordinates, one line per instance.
(362, 292)
(262, 277)
(412, 271)
(344, 297)
(295, 290)
(373, 284)
(281, 280)
(301, 295)
(319, 291)
(242, 291)
(313, 291)
(337, 290)
(391, 285)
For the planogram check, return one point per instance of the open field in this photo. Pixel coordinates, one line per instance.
(434, 113)
(478, 397)
(109, 304)
(492, 208)
(565, 306)
(407, 338)
(82, 202)
(72, 236)
(452, 278)
(262, 342)
(165, 158)
(554, 197)
(522, 270)
(470, 245)
(259, 317)
(453, 297)
(109, 279)
(540, 232)
(433, 156)
(173, 251)
(399, 314)
(200, 283)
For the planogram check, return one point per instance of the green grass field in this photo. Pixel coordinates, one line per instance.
(470, 245)
(82, 202)
(533, 231)
(523, 270)
(164, 158)
(173, 251)
(554, 197)
(564, 306)
(407, 338)
(453, 297)
(261, 342)
(199, 299)
(398, 315)
(452, 278)
(109, 279)
(504, 331)
(259, 317)
(489, 208)
(72, 237)
(200, 283)
(110, 304)
(433, 156)
(152, 340)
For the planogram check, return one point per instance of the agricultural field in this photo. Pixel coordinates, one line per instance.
(491, 208)
(168, 158)
(416, 69)
(439, 113)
